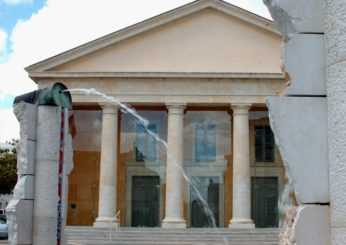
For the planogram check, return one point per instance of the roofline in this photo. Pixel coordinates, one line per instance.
(207, 75)
(150, 24)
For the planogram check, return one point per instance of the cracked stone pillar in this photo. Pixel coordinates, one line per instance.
(21, 206)
(299, 119)
(241, 168)
(46, 175)
(175, 185)
(108, 171)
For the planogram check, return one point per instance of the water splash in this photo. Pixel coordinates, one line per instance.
(126, 109)
(285, 199)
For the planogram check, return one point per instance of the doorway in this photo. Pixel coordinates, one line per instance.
(208, 188)
(145, 201)
(264, 201)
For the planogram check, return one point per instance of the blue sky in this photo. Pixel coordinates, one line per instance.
(33, 30)
(12, 11)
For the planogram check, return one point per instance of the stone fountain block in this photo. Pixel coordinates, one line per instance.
(48, 134)
(46, 175)
(304, 62)
(26, 115)
(300, 129)
(24, 188)
(297, 16)
(311, 226)
(26, 150)
(19, 221)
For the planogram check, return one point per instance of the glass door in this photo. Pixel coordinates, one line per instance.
(264, 201)
(145, 201)
(208, 188)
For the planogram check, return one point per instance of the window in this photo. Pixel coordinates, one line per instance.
(264, 144)
(145, 143)
(205, 142)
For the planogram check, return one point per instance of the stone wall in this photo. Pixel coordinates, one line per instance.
(309, 119)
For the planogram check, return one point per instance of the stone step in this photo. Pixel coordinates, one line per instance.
(127, 235)
(77, 229)
(81, 242)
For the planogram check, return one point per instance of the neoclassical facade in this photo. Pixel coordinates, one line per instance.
(199, 76)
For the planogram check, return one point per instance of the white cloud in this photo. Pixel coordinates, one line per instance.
(15, 2)
(255, 6)
(64, 24)
(3, 39)
(9, 125)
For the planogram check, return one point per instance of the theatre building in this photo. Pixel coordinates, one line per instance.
(199, 76)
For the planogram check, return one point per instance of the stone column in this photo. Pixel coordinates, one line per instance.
(175, 184)
(241, 168)
(108, 171)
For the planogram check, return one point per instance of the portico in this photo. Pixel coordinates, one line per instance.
(201, 95)
(175, 182)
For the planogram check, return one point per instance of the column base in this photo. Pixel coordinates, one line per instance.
(173, 223)
(241, 224)
(106, 222)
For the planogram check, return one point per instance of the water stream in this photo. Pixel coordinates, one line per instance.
(285, 199)
(126, 109)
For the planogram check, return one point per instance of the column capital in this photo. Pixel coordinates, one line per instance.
(241, 109)
(109, 108)
(176, 108)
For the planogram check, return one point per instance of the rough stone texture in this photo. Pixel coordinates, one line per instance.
(311, 226)
(26, 157)
(297, 16)
(335, 29)
(304, 62)
(338, 236)
(24, 188)
(286, 230)
(26, 115)
(46, 172)
(336, 75)
(44, 231)
(297, 122)
(335, 46)
(19, 221)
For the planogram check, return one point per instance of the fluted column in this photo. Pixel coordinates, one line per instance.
(108, 169)
(241, 168)
(175, 184)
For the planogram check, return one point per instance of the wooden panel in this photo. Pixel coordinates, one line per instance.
(228, 189)
(83, 188)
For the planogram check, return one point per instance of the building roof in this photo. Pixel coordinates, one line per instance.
(149, 25)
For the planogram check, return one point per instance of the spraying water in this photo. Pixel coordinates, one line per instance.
(285, 199)
(145, 123)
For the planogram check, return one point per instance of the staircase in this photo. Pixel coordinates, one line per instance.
(86, 235)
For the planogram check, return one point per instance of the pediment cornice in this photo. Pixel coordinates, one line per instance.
(148, 25)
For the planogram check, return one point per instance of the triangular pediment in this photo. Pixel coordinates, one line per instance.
(204, 36)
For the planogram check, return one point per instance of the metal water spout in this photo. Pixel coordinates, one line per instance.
(55, 94)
